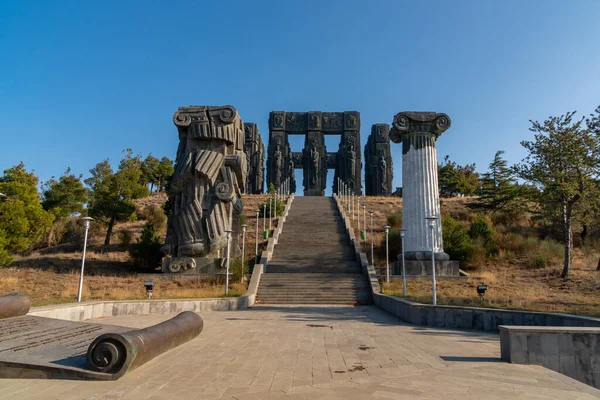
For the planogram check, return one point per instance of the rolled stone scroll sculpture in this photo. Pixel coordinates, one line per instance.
(120, 353)
(14, 305)
(206, 188)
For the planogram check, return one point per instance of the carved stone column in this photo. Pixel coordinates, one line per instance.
(378, 162)
(315, 164)
(418, 132)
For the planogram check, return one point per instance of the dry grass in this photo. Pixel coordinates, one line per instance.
(45, 287)
(514, 279)
(50, 276)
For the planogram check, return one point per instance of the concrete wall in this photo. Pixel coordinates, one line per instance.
(99, 309)
(574, 352)
(483, 319)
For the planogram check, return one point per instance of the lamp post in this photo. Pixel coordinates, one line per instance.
(243, 248)
(265, 234)
(402, 231)
(358, 213)
(275, 207)
(228, 231)
(364, 232)
(387, 251)
(256, 238)
(86, 224)
(431, 220)
(270, 212)
(371, 217)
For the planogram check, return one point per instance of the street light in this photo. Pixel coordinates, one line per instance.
(402, 232)
(256, 238)
(358, 213)
(387, 250)
(372, 259)
(228, 231)
(86, 224)
(363, 234)
(265, 233)
(270, 212)
(431, 220)
(243, 248)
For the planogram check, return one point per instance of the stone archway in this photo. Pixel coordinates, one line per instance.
(314, 159)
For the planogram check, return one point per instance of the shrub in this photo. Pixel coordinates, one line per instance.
(478, 253)
(456, 239)
(536, 261)
(395, 246)
(481, 230)
(395, 221)
(280, 208)
(156, 216)
(146, 252)
(125, 237)
(5, 258)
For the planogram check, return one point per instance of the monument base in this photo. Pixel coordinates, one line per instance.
(423, 268)
(193, 265)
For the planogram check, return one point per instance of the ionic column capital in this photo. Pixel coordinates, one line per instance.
(408, 123)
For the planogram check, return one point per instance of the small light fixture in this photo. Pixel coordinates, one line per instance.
(481, 291)
(149, 285)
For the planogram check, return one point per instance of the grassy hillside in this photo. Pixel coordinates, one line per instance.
(524, 272)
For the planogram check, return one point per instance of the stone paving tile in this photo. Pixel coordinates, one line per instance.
(317, 352)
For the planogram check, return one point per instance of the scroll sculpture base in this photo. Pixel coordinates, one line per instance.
(45, 348)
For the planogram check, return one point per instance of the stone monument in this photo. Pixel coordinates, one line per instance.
(418, 132)
(314, 159)
(379, 171)
(255, 159)
(206, 189)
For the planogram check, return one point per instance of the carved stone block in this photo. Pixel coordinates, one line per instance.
(205, 195)
(379, 171)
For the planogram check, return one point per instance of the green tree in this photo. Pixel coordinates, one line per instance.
(112, 193)
(65, 196)
(164, 173)
(499, 189)
(563, 161)
(454, 179)
(146, 252)
(23, 221)
(150, 171)
(456, 239)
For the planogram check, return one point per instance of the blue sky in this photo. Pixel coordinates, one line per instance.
(80, 81)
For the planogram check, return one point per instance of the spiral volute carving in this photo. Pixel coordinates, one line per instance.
(182, 119)
(224, 191)
(227, 114)
(442, 122)
(108, 356)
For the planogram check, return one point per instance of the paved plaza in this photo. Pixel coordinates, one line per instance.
(317, 352)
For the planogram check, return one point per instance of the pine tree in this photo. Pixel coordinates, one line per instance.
(112, 193)
(499, 188)
(23, 221)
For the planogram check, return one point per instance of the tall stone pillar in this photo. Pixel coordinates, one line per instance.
(315, 164)
(418, 132)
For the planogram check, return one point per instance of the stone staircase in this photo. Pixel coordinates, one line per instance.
(313, 261)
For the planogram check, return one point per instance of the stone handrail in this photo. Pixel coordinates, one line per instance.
(360, 255)
(568, 350)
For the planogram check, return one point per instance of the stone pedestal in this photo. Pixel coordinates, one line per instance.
(423, 268)
(418, 132)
